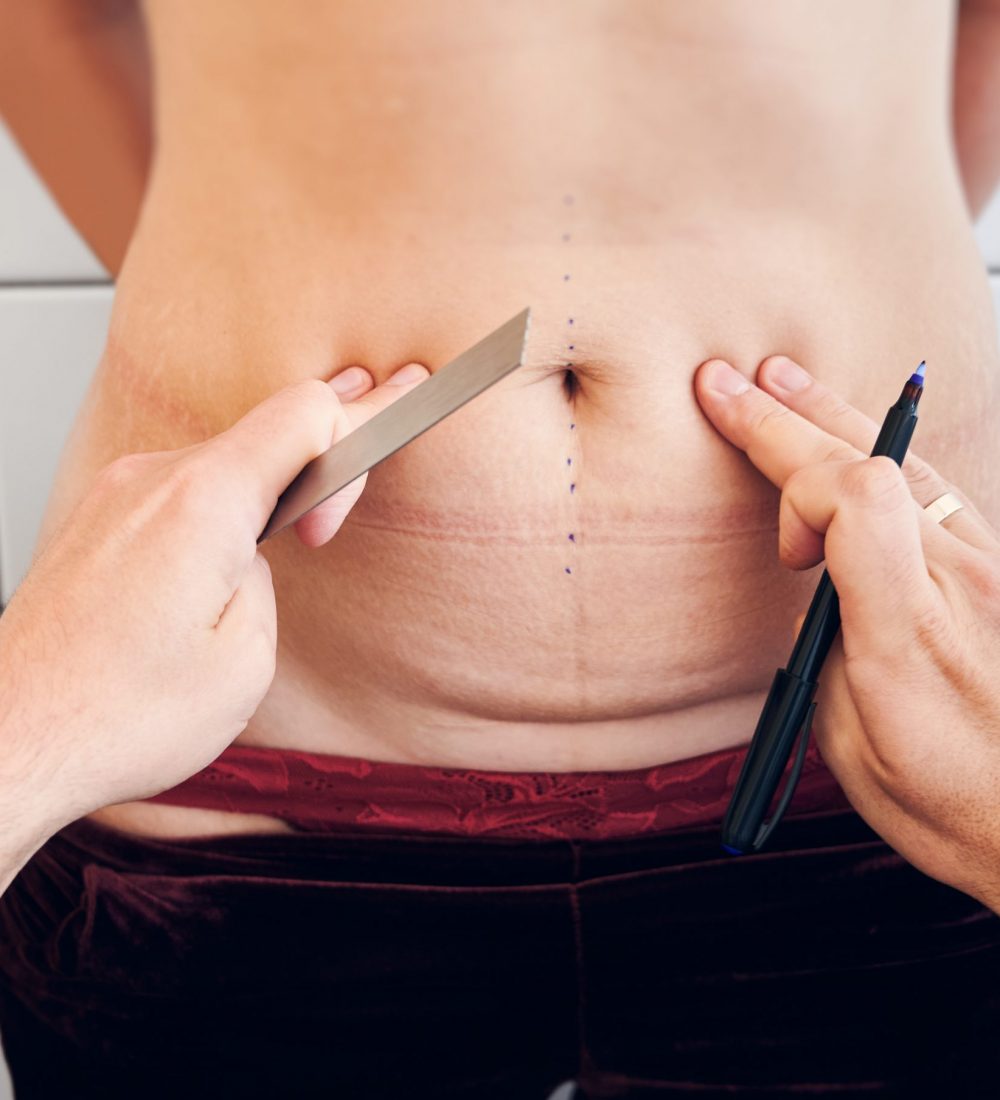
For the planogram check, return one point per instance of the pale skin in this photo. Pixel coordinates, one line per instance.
(61, 60)
(662, 182)
(741, 182)
(908, 717)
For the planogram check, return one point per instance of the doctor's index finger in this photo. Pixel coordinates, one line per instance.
(805, 423)
(803, 394)
(776, 440)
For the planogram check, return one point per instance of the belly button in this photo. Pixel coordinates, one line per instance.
(571, 384)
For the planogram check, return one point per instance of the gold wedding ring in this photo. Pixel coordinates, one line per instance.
(943, 507)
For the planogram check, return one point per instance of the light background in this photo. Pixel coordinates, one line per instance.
(55, 299)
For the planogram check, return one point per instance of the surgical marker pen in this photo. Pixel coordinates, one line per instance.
(789, 708)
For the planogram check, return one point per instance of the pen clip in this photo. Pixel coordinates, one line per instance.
(793, 777)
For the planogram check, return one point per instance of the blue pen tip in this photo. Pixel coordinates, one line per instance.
(917, 376)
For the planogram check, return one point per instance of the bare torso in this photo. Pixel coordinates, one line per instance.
(559, 577)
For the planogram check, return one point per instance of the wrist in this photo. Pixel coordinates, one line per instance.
(30, 813)
(30, 808)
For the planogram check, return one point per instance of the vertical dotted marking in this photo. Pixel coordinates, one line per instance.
(568, 200)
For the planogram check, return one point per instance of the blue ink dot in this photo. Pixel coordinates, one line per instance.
(572, 347)
(569, 462)
(569, 364)
(572, 426)
(572, 538)
(568, 570)
(572, 486)
(565, 278)
(570, 320)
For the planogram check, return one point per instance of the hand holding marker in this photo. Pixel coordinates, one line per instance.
(789, 709)
(908, 715)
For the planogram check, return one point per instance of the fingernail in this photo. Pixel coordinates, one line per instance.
(348, 380)
(724, 379)
(412, 372)
(788, 376)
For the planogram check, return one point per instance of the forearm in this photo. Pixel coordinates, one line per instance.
(976, 100)
(74, 90)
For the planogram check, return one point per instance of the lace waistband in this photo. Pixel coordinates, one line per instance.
(326, 793)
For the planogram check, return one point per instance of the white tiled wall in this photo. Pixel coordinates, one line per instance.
(37, 244)
(54, 305)
(50, 340)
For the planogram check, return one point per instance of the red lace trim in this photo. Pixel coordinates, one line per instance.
(321, 793)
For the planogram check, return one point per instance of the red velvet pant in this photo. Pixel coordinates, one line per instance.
(360, 966)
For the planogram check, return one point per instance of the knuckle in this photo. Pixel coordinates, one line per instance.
(796, 483)
(197, 486)
(787, 517)
(312, 391)
(122, 471)
(923, 481)
(831, 408)
(838, 451)
(788, 550)
(931, 628)
(981, 574)
(764, 416)
(799, 547)
(875, 482)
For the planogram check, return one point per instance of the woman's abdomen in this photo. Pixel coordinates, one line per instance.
(574, 572)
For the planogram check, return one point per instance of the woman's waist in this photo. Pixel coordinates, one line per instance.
(556, 573)
(202, 329)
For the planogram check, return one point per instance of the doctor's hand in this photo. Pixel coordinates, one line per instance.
(908, 707)
(143, 638)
